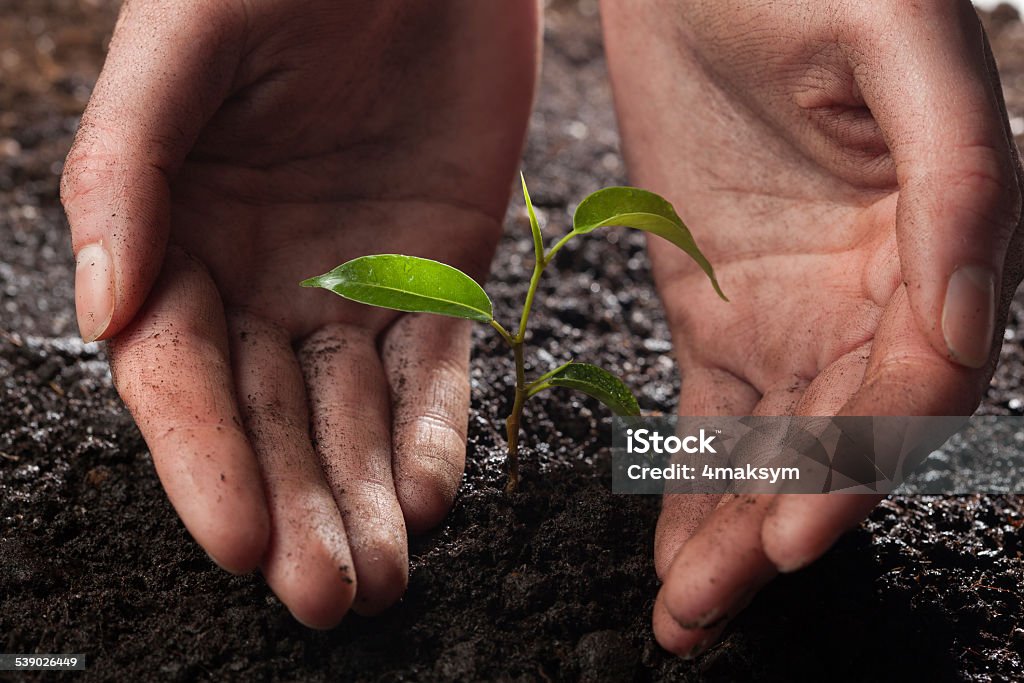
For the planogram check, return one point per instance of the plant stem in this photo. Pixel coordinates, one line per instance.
(538, 269)
(558, 245)
(536, 388)
(540, 262)
(503, 332)
(546, 376)
(524, 390)
(512, 422)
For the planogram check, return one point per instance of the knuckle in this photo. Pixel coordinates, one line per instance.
(85, 170)
(979, 185)
(988, 166)
(441, 428)
(105, 168)
(988, 178)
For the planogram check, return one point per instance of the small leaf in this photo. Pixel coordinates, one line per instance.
(635, 208)
(408, 283)
(599, 383)
(538, 239)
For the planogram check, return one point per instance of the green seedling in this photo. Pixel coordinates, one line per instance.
(418, 285)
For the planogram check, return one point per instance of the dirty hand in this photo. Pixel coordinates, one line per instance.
(849, 170)
(232, 149)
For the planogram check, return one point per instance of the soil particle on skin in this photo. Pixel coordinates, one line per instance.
(555, 582)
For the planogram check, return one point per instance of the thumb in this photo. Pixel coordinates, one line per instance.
(170, 65)
(937, 99)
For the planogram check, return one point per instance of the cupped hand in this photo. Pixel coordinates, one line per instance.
(849, 170)
(232, 149)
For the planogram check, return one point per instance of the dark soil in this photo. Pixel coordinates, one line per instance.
(553, 583)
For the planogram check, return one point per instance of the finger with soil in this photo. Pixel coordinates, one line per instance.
(351, 417)
(171, 368)
(427, 362)
(714, 575)
(800, 528)
(705, 391)
(308, 563)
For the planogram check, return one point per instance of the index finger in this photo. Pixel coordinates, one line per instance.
(171, 368)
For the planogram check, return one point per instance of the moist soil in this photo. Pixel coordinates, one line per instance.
(554, 582)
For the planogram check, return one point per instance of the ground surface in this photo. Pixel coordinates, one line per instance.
(555, 582)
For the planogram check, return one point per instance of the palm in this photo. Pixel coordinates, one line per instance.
(258, 253)
(804, 312)
(339, 158)
(787, 177)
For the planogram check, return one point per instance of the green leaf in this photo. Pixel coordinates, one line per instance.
(599, 383)
(538, 239)
(408, 283)
(635, 208)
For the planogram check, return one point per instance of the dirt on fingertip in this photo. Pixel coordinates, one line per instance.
(554, 582)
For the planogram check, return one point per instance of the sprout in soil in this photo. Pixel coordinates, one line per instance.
(418, 285)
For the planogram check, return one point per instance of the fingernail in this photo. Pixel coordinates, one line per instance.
(968, 316)
(94, 290)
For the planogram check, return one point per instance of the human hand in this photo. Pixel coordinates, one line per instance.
(272, 141)
(849, 170)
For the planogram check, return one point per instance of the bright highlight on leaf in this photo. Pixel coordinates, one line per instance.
(408, 283)
(632, 207)
(598, 383)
